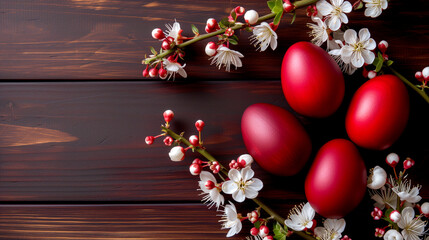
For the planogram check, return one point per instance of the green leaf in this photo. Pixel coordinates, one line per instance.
(271, 4)
(232, 41)
(195, 29)
(233, 15)
(376, 60)
(224, 23)
(359, 6)
(278, 7)
(277, 19)
(153, 51)
(280, 233)
(258, 224)
(235, 37)
(389, 63)
(293, 18)
(248, 29)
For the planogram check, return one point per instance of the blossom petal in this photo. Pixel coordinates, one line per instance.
(346, 7)
(337, 3)
(239, 196)
(273, 43)
(308, 211)
(324, 8)
(368, 57)
(334, 23)
(370, 44)
(293, 225)
(338, 225)
(250, 193)
(320, 231)
(357, 59)
(256, 185)
(247, 174)
(234, 175)
(350, 36)
(229, 187)
(205, 176)
(364, 34)
(343, 18)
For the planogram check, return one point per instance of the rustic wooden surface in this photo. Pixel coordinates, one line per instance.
(73, 163)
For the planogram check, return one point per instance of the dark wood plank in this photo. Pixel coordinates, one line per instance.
(85, 141)
(107, 39)
(137, 221)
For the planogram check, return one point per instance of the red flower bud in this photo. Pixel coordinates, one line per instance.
(288, 6)
(239, 11)
(168, 115)
(209, 185)
(166, 44)
(168, 141)
(194, 140)
(195, 169)
(229, 32)
(149, 140)
(145, 73)
(254, 231)
(408, 163)
(392, 159)
(197, 161)
(199, 125)
(382, 46)
(162, 73)
(153, 72)
(263, 231)
(158, 34)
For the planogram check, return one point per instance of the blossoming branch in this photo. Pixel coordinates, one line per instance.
(238, 181)
(350, 49)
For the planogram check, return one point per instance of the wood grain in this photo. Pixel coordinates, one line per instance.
(99, 154)
(107, 39)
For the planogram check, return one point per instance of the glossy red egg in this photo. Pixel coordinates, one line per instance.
(336, 182)
(378, 112)
(275, 139)
(312, 81)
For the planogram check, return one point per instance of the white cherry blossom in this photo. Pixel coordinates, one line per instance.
(173, 68)
(301, 217)
(264, 36)
(332, 227)
(412, 227)
(374, 7)
(336, 54)
(358, 50)
(242, 185)
(384, 197)
(226, 57)
(377, 178)
(335, 13)
(175, 32)
(211, 192)
(319, 31)
(406, 192)
(392, 234)
(230, 220)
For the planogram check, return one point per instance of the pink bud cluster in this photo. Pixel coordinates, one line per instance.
(211, 25)
(377, 213)
(379, 232)
(168, 141)
(393, 159)
(423, 77)
(262, 232)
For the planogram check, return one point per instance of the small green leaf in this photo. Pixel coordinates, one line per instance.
(271, 4)
(153, 51)
(278, 17)
(224, 23)
(379, 66)
(235, 37)
(375, 62)
(232, 41)
(280, 233)
(278, 7)
(389, 63)
(195, 29)
(233, 15)
(359, 6)
(248, 29)
(258, 224)
(293, 18)
(380, 56)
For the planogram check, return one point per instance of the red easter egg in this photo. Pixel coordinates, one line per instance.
(275, 139)
(378, 112)
(312, 81)
(336, 182)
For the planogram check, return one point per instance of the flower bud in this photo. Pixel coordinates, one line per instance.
(395, 216)
(408, 163)
(287, 6)
(311, 11)
(162, 73)
(177, 154)
(245, 160)
(234, 164)
(346, 238)
(197, 161)
(209, 185)
(168, 115)
(229, 32)
(419, 76)
(425, 208)
(199, 125)
(195, 169)
(253, 216)
(239, 11)
(194, 140)
(153, 72)
(379, 232)
(251, 17)
(377, 213)
(215, 167)
(158, 34)
(166, 44)
(392, 159)
(382, 46)
(372, 74)
(211, 49)
(254, 231)
(425, 73)
(268, 238)
(149, 140)
(145, 73)
(212, 23)
(168, 141)
(263, 231)
(377, 178)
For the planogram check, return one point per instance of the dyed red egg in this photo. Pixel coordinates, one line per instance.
(275, 139)
(312, 81)
(336, 182)
(378, 112)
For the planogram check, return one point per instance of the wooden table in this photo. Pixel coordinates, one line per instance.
(74, 112)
